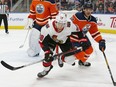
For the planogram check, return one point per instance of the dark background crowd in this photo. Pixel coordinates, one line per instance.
(100, 6)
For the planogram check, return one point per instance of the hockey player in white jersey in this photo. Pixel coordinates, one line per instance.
(57, 31)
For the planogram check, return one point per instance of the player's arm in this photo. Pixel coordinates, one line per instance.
(32, 13)
(44, 39)
(31, 16)
(7, 10)
(95, 33)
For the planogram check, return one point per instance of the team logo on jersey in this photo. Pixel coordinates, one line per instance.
(39, 8)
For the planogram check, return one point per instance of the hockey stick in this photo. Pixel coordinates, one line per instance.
(16, 68)
(55, 57)
(25, 39)
(114, 83)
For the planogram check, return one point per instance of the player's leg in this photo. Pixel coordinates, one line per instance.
(0, 19)
(47, 65)
(34, 47)
(87, 52)
(47, 68)
(84, 55)
(69, 58)
(5, 24)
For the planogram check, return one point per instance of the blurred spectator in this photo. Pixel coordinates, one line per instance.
(79, 8)
(100, 9)
(9, 4)
(71, 4)
(96, 5)
(64, 5)
(83, 1)
(101, 3)
(114, 7)
(100, 6)
(110, 9)
(14, 1)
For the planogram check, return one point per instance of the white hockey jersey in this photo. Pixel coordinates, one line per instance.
(59, 37)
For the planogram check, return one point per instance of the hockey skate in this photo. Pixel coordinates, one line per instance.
(86, 64)
(44, 72)
(60, 62)
(73, 64)
(6, 32)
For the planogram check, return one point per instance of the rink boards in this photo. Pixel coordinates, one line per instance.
(106, 23)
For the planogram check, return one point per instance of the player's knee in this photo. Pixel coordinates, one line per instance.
(80, 55)
(89, 50)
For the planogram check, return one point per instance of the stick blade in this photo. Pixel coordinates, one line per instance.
(7, 65)
(114, 83)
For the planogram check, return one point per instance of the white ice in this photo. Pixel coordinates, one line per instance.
(69, 76)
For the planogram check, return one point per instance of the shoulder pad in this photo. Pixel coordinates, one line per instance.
(52, 1)
(93, 19)
(78, 14)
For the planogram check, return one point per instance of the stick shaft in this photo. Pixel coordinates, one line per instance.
(109, 68)
(24, 39)
(55, 57)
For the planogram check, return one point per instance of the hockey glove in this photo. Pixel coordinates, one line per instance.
(48, 56)
(102, 45)
(29, 23)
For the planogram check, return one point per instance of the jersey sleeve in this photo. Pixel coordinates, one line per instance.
(44, 39)
(95, 32)
(7, 9)
(32, 14)
(74, 19)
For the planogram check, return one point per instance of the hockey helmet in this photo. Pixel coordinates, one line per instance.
(61, 20)
(88, 5)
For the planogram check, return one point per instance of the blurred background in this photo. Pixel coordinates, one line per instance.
(100, 6)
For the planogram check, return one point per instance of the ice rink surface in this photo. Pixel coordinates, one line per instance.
(69, 76)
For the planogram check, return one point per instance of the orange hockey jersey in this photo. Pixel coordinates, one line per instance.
(80, 21)
(42, 10)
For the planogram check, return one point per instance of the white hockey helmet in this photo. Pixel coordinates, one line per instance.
(61, 20)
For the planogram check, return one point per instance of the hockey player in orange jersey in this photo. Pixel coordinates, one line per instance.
(84, 20)
(40, 12)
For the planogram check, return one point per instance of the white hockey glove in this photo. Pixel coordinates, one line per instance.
(29, 24)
